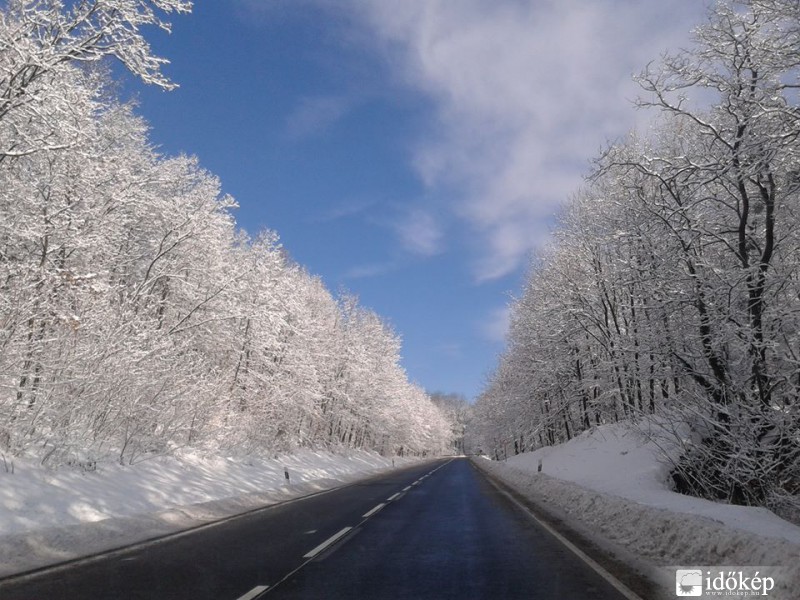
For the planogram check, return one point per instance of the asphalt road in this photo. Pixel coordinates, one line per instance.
(438, 530)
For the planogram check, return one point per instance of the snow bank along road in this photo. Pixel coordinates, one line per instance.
(438, 530)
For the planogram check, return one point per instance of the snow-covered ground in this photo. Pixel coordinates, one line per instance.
(49, 516)
(612, 483)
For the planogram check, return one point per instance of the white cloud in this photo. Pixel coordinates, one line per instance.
(345, 210)
(495, 328)
(369, 271)
(313, 115)
(451, 350)
(526, 92)
(420, 233)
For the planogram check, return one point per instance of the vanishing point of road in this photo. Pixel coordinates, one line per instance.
(438, 530)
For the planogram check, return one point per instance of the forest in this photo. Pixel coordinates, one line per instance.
(671, 287)
(136, 318)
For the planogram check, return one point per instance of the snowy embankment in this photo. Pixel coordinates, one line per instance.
(611, 483)
(50, 516)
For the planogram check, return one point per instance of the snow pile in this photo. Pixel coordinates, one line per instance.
(51, 516)
(614, 481)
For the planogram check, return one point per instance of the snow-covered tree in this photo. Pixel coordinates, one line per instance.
(671, 285)
(134, 317)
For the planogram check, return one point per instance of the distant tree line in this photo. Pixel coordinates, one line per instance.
(134, 317)
(672, 286)
(457, 411)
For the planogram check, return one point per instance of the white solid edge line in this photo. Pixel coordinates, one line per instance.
(392, 497)
(254, 592)
(326, 543)
(615, 583)
(373, 511)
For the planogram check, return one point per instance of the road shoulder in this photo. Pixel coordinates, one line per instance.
(637, 574)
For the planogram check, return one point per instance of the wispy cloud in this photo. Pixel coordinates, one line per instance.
(345, 210)
(452, 350)
(495, 327)
(420, 233)
(314, 115)
(526, 92)
(368, 271)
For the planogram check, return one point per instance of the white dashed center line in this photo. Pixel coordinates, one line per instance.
(254, 592)
(373, 511)
(331, 540)
(393, 497)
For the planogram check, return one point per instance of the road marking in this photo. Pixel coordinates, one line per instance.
(373, 511)
(254, 592)
(331, 540)
(290, 574)
(393, 497)
(416, 482)
(408, 487)
(615, 583)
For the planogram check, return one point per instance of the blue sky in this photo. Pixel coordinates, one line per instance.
(413, 153)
